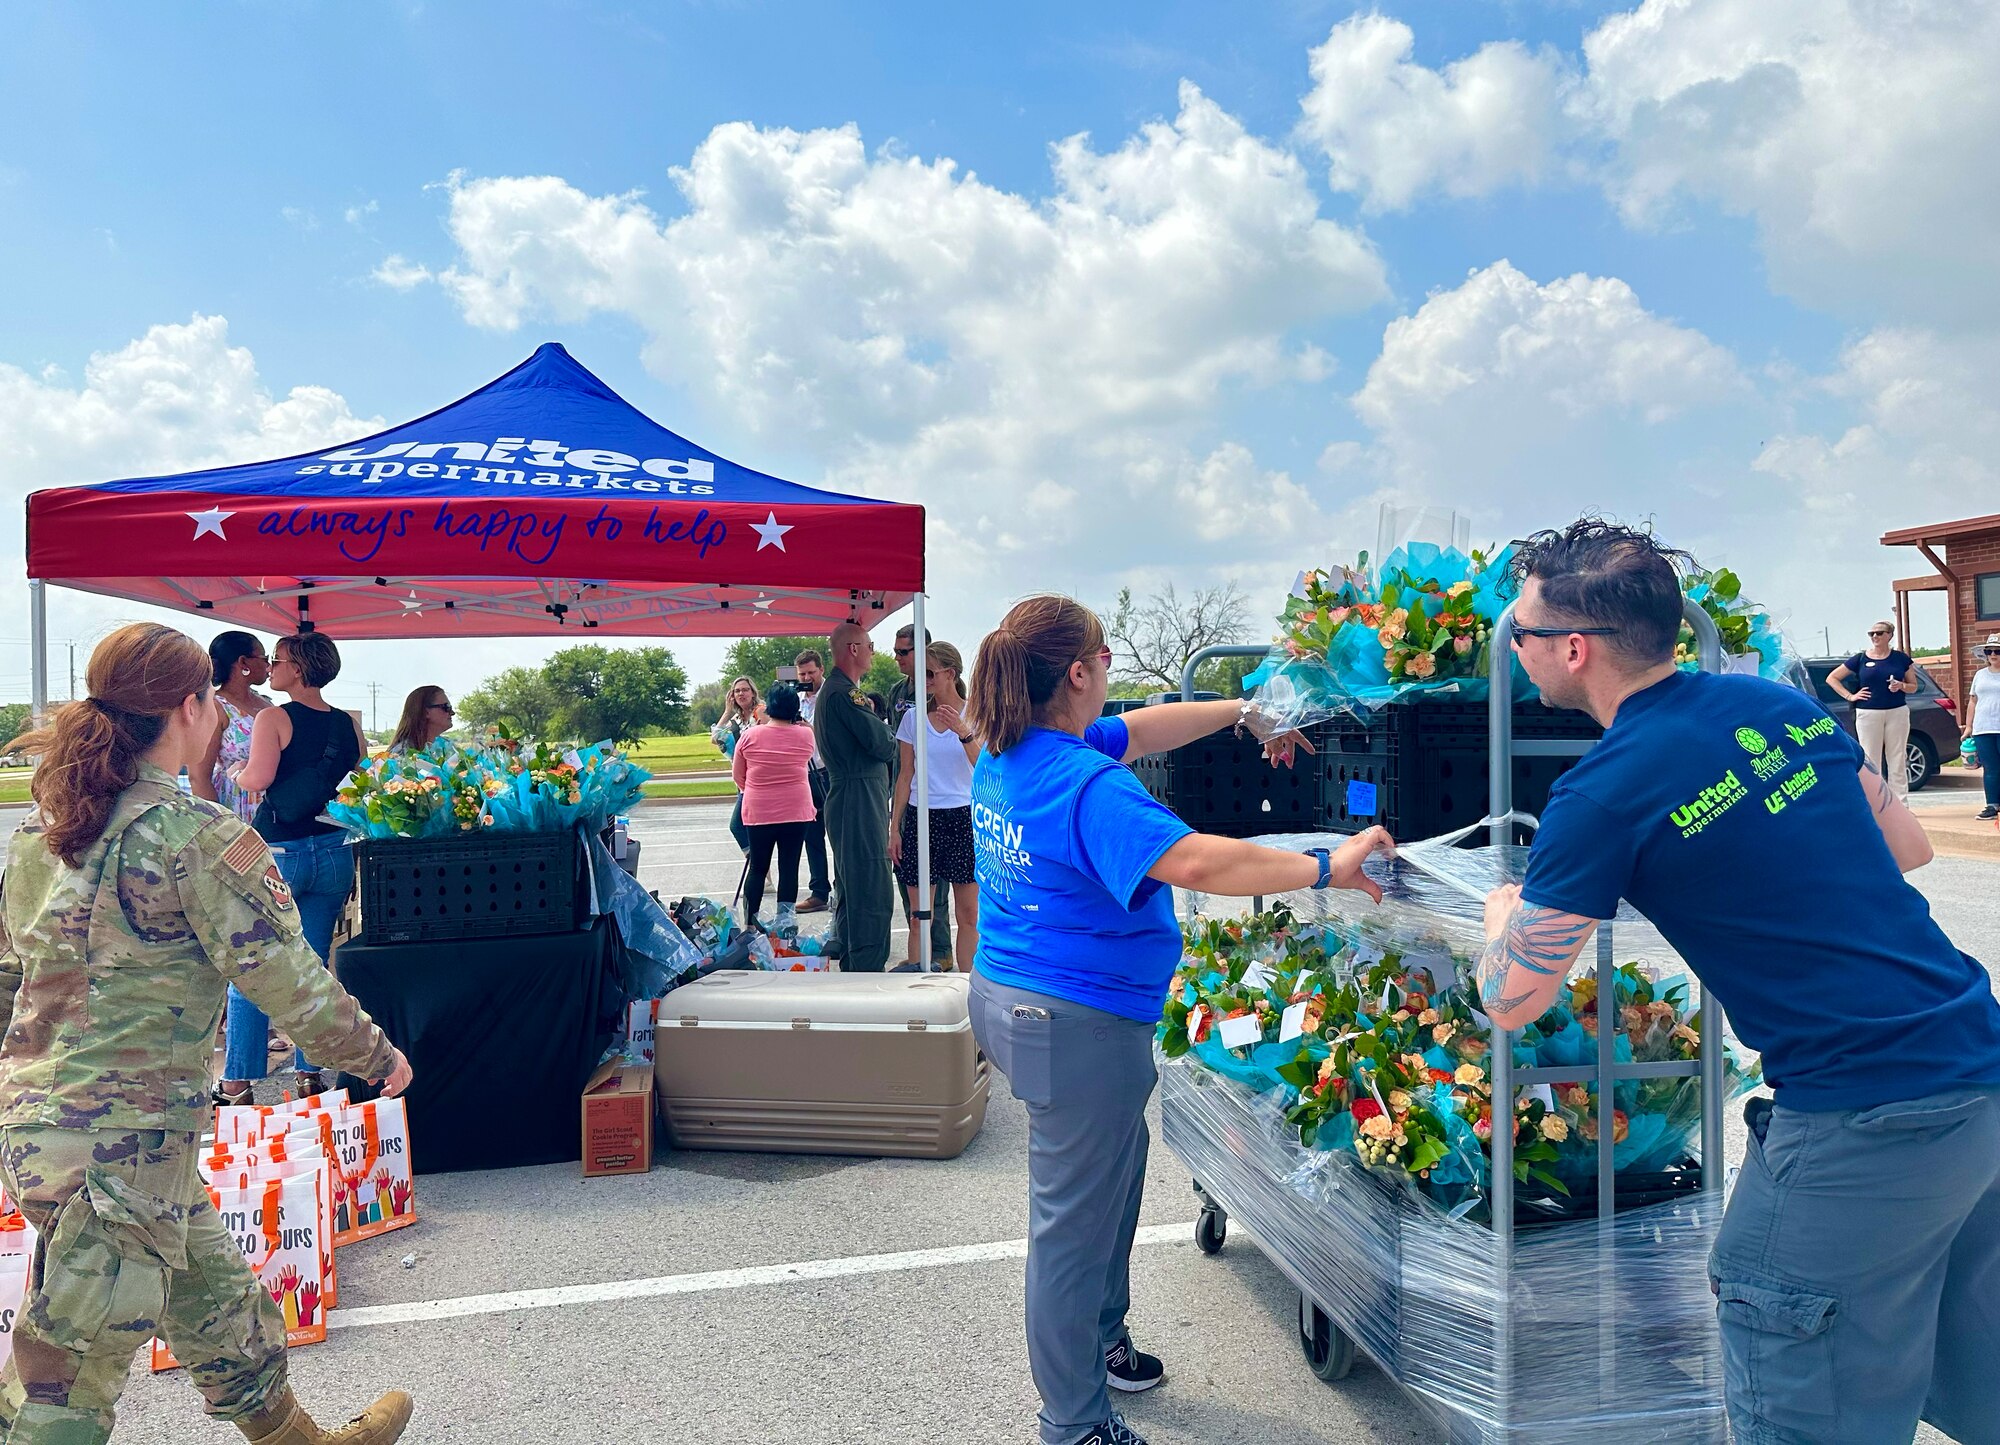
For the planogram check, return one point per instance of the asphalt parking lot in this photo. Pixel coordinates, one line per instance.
(806, 1300)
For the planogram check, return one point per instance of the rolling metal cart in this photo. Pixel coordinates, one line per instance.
(1594, 1329)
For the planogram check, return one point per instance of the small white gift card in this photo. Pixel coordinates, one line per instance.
(1237, 1033)
(364, 1193)
(1256, 976)
(1195, 1016)
(1299, 586)
(1542, 1092)
(1293, 1023)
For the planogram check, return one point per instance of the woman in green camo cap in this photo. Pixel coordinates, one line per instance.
(127, 908)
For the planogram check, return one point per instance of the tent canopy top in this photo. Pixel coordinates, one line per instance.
(541, 503)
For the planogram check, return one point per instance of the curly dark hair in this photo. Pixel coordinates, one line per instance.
(1596, 573)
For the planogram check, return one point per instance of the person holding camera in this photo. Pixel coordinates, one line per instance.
(298, 755)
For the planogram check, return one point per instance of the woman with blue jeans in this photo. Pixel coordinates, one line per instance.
(1982, 723)
(1077, 942)
(299, 753)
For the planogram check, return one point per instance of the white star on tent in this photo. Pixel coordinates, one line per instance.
(763, 603)
(411, 603)
(769, 532)
(209, 521)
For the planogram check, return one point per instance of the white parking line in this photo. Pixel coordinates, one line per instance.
(419, 1311)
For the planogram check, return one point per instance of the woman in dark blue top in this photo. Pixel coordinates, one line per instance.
(1883, 678)
(1077, 944)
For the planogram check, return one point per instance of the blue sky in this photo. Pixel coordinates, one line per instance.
(1778, 344)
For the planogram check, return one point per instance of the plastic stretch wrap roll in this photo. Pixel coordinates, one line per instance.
(1584, 1335)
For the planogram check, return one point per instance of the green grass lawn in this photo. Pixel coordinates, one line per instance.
(699, 788)
(662, 756)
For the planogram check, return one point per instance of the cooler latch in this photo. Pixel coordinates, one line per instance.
(917, 1026)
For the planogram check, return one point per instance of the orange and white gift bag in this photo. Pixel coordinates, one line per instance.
(374, 1190)
(276, 1223)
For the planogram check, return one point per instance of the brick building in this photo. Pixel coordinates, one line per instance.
(1966, 555)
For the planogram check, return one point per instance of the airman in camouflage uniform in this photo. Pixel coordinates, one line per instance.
(113, 976)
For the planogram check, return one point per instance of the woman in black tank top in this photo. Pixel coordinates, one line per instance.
(299, 753)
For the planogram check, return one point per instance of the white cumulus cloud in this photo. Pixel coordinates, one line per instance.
(1045, 374)
(1394, 130)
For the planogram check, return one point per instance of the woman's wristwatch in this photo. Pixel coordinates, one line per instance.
(1325, 866)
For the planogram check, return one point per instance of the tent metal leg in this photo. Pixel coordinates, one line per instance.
(920, 915)
(38, 634)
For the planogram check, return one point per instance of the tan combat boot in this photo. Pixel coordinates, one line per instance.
(285, 1422)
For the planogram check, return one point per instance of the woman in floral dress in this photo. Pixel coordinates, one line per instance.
(240, 665)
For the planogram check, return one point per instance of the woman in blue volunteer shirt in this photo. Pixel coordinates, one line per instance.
(1077, 945)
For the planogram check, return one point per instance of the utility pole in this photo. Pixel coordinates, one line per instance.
(375, 707)
(72, 672)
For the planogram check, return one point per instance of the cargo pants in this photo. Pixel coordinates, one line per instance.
(1857, 1274)
(128, 1246)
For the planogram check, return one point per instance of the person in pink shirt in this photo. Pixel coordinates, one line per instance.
(770, 770)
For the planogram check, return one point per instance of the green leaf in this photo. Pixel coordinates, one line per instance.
(1542, 1176)
(1426, 1154)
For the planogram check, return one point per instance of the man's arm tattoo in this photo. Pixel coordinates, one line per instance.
(1540, 940)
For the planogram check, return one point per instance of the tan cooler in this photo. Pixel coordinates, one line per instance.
(820, 1063)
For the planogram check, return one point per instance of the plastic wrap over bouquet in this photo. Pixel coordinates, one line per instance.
(495, 781)
(1353, 639)
(1363, 1022)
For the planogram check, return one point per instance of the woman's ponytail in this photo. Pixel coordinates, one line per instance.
(1022, 664)
(89, 752)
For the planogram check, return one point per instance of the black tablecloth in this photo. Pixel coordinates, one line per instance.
(502, 1034)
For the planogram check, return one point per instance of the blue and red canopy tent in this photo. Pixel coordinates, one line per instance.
(542, 504)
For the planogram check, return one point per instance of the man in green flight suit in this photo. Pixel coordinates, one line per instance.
(859, 752)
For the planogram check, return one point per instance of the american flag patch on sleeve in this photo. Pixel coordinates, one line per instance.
(245, 853)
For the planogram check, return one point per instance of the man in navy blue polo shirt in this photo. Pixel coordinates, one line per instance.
(1857, 1270)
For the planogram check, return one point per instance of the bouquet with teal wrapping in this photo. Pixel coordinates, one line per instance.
(1364, 1020)
(429, 794)
(493, 782)
(1354, 639)
(1751, 641)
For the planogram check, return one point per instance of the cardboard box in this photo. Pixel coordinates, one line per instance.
(618, 1119)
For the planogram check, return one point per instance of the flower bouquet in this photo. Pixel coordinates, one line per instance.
(1751, 641)
(1353, 639)
(494, 782)
(1366, 1029)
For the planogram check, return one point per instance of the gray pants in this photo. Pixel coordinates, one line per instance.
(1857, 1274)
(1085, 1076)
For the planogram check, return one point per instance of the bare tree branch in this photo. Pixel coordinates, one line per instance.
(1154, 639)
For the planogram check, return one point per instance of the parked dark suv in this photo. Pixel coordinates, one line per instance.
(1934, 733)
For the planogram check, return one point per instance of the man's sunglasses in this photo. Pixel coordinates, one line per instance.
(904, 651)
(1520, 632)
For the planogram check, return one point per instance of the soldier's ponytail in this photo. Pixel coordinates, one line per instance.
(1022, 664)
(90, 750)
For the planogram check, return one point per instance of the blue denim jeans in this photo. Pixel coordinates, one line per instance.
(1857, 1274)
(320, 872)
(1987, 747)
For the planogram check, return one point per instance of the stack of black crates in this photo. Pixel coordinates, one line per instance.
(470, 885)
(1418, 768)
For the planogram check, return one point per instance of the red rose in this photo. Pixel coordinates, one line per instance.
(1365, 1109)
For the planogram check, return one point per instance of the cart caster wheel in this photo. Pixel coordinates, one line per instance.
(1211, 1228)
(1329, 1352)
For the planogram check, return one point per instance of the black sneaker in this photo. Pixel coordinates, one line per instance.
(1989, 812)
(1130, 1370)
(1113, 1432)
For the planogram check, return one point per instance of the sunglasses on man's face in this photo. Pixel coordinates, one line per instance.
(1520, 632)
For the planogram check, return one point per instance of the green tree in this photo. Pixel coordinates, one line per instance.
(705, 706)
(618, 693)
(14, 720)
(521, 697)
(759, 658)
(883, 674)
(1152, 640)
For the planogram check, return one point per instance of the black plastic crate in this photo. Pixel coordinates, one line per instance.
(476, 885)
(1223, 784)
(1429, 765)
